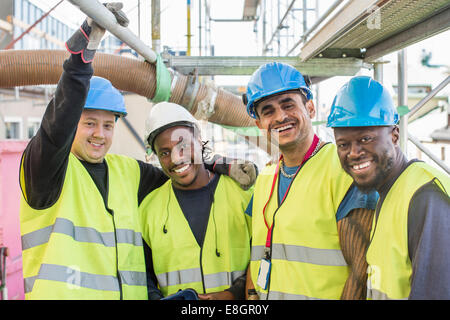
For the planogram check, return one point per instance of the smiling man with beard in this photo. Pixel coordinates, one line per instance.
(408, 255)
(305, 210)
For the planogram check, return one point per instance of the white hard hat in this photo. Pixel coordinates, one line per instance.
(165, 115)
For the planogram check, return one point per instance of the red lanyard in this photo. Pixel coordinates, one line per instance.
(275, 177)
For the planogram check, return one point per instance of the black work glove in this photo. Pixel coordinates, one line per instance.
(86, 39)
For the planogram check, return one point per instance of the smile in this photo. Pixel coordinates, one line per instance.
(361, 166)
(283, 128)
(97, 145)
(182, 169)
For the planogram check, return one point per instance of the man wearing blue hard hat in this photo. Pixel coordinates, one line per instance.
(408, 255)
(81, 235)
(303, 207)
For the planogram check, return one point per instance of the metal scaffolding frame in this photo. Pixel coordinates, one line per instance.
(370, 29)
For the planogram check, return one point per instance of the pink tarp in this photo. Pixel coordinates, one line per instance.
(10, 153)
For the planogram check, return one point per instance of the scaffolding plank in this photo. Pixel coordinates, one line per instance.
(318, 67)
(353, 12)
(425, 29)
(381, 27)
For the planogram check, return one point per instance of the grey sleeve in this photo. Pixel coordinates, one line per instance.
(428, 243)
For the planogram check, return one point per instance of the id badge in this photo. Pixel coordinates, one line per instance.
(264, 273)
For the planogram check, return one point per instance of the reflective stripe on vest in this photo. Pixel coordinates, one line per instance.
(324, 257)
(81, 234)
(374, 294)
(178, 261)
(181, 277)
(389, 266)
(307, 261)
(77, 244)
(75, 278)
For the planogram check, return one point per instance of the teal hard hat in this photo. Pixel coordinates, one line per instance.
(103, 96)
(272, 78)
(362, 102)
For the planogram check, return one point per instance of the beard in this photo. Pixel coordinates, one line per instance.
(384, 165)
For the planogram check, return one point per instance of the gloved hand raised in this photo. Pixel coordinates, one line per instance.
(242, 171)
(86, 39)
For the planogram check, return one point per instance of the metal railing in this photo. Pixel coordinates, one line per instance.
(414, 110)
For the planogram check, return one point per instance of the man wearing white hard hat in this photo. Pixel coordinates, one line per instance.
(194, 224)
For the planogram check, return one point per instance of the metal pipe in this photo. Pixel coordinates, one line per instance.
(34, 67)
(200, 28)
(156, 26)
(305, 16)
(134, 133)
(188, 53)
(106, 19)
(264, 22)
(378, 71)
(316, 24)
(139, 18)
(230, 20)
(403, 98)
(429, 96)
(280, 24)
(420, 146)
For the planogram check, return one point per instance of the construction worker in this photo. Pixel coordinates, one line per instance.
(408, 256)
(194, 224)
(81, 237)
(299, 202)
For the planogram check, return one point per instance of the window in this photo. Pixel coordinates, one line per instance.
(13, 128)
(33, 126)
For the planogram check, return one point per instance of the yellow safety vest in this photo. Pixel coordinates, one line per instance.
(76, 249)
(178, 261)
(306, 257)
(389, 269)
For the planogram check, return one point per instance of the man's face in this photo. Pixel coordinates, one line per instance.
(286, 118)
(180, 155)
(367, 154)
(94, 135)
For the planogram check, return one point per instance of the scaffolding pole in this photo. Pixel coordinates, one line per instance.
(316, 24)
(188, 53)
(429, 96)
(101, 15)
(156, 26)
(403, 98)
(421, 147)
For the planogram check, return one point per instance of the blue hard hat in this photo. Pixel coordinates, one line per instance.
(103, 96)
(362, 102)
(272, 78)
